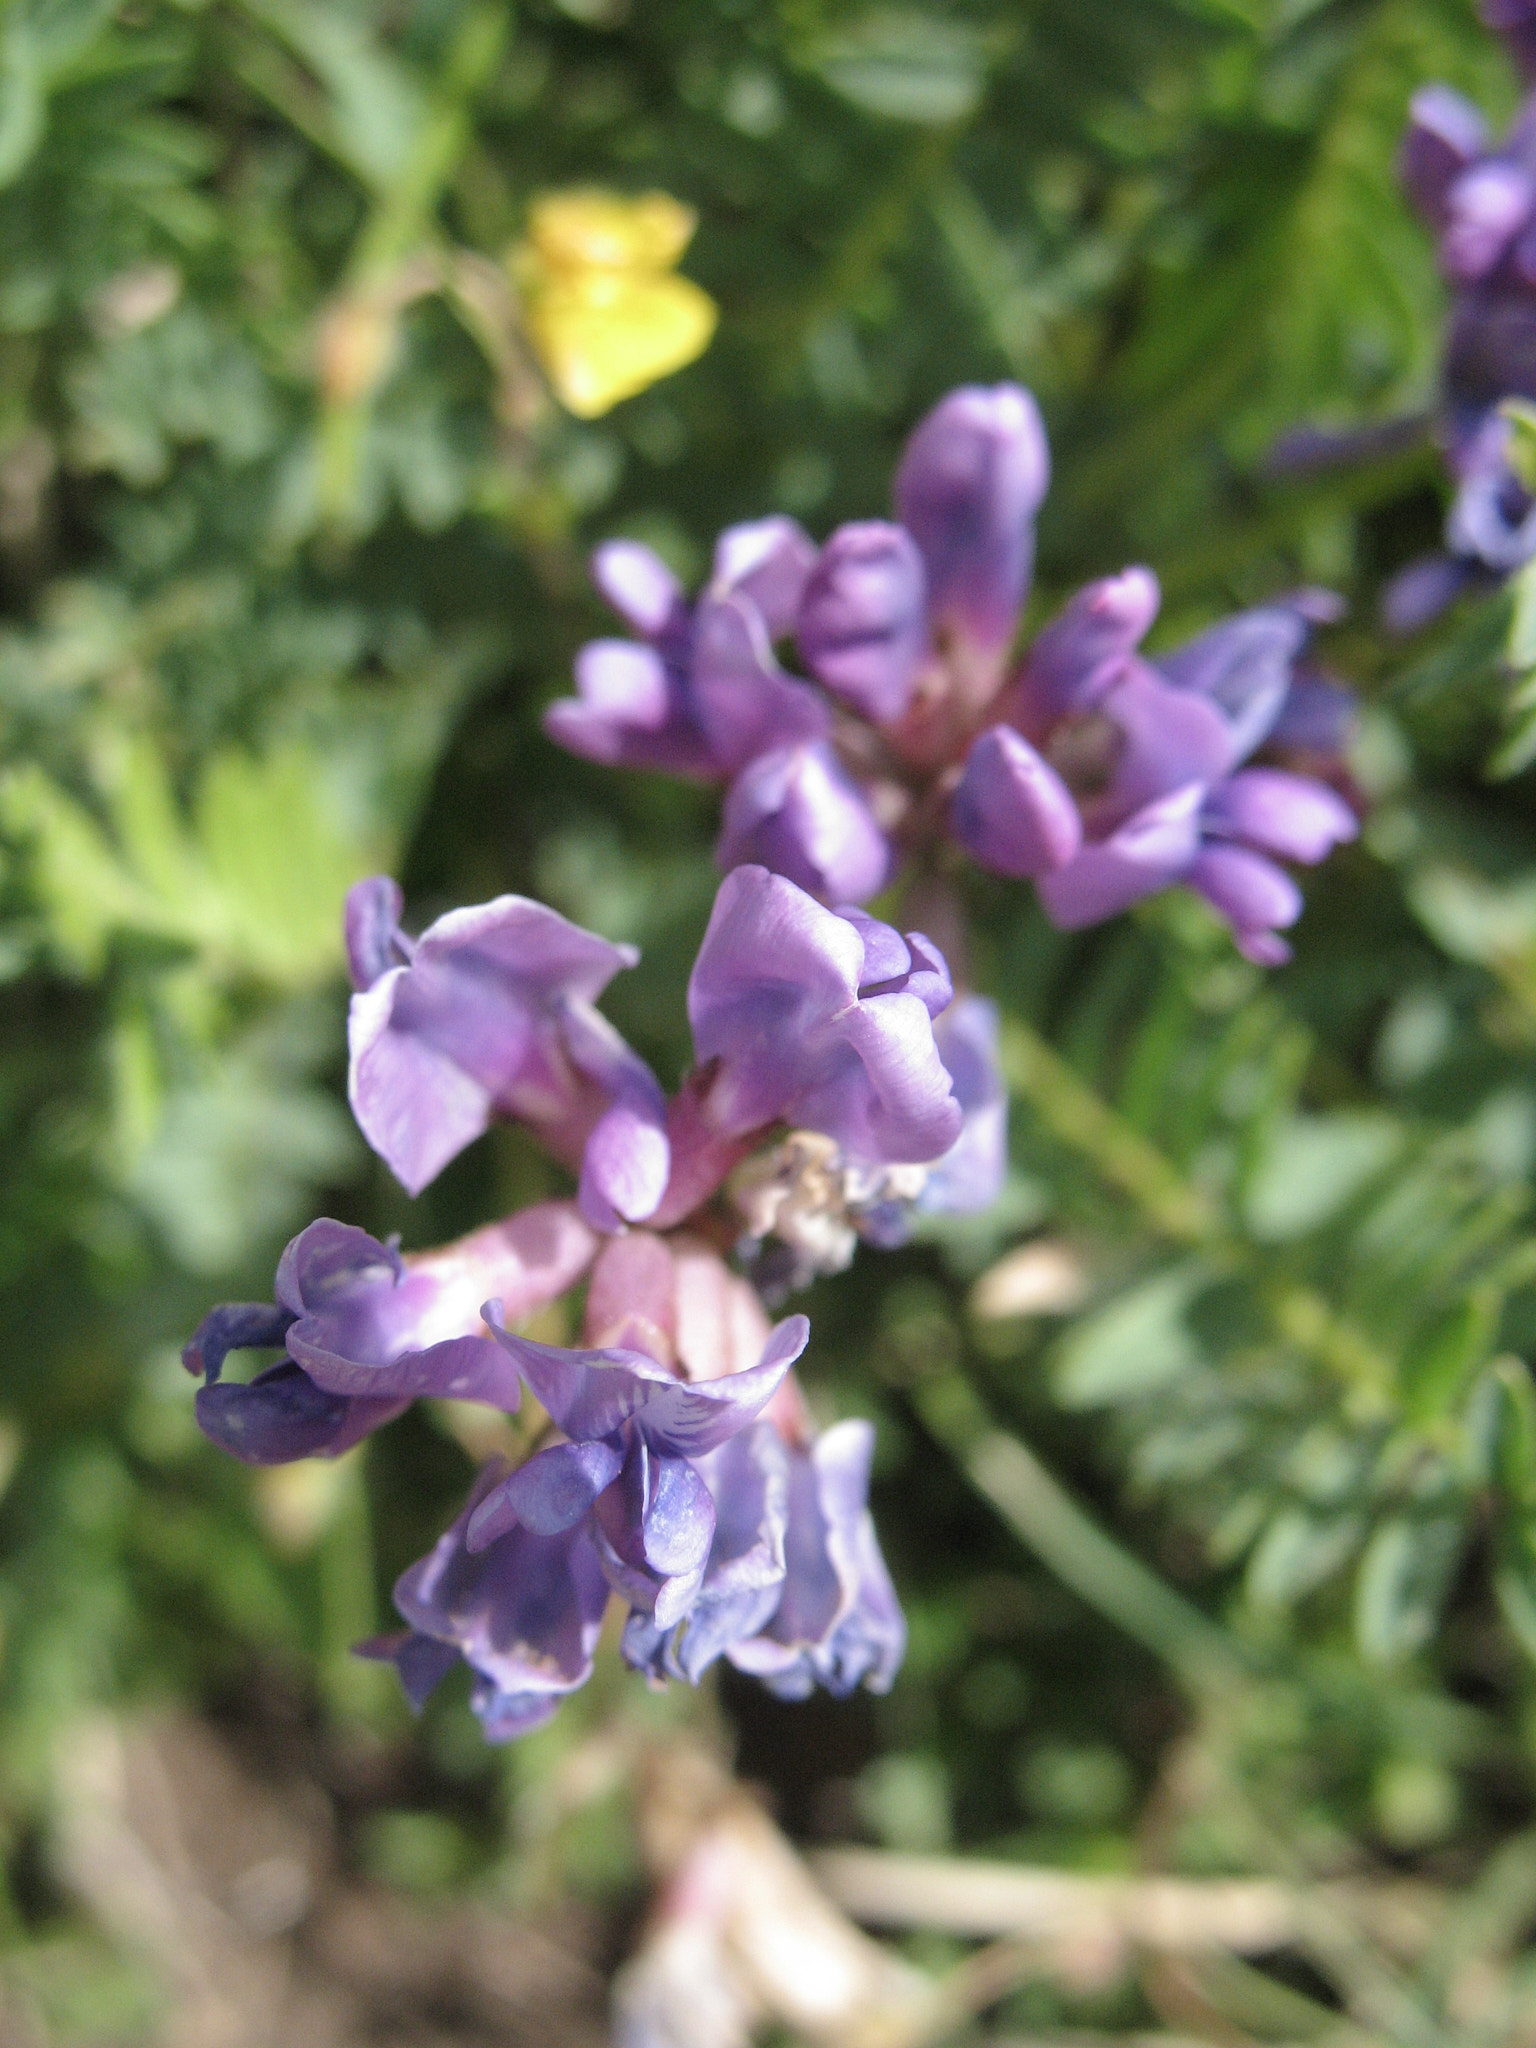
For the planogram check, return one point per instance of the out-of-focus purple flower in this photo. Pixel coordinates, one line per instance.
(524, 1612)
(635, 1433)
(863, 625)
(367, 1331)
(970, 1175)
(1147, 754)
(969, 483)
(1445, 136)
(838, 1622)
(796, 811)
(490, 1013)
(700, 693)
(820, 1018)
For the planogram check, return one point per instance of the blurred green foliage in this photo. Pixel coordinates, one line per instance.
(291, 557)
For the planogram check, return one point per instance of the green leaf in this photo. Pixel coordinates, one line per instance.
(1136, 1345)
(905, 65)
(1404, 1578)
(1312, 1166)
(1435, 1367)
(1297, 1552)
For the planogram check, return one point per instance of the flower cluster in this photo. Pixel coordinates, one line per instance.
(678, 1467)
(1096, 772)
(1480, 199)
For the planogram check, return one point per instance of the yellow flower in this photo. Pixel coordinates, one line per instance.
(605, 310)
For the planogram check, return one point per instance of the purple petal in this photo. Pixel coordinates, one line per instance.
(282, 1415)
(1148, 852)
(744, 701)
(1278, 813)
(639, 586)
(1417, 595)
(1484, 210)
(970, 481)
(234, 1326)
(1074, 660)
(372, 926)
(1166, 739)
(1243, 666)
(421, 1662)
(548, 1495)
(593, 1394)
(1251, 893)
(1515, 20)
(863, 623)
(625, 1169)
(1318, 716)
(897, 1103)
(796, 812)
(1011, 811)
(1445, 134)
(970, 1175)
(767, 561)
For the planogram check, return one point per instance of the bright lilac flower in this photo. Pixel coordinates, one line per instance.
(700, 693)
(524, 1612)
(635, 1431)
(838, 1622)
(490, 1013)
(820, 1018)
(367, 1331)
(795, 811)
(863, 627)
(1011, 811)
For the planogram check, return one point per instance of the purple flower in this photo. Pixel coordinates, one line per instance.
(838, 1622)
(863, 626)
(1515, 20)
(796, 812)
(634, 1433)
(490, 1013)
(1115, 776)
(700, 693)
(969, 1177)
(823, 1019)
(367, 1331)
(524, 1612)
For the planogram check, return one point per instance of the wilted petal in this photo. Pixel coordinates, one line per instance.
(1445, 134)
(593, 1394)
(768, 562)
(1011, 811)
(838, 1622)
(796, 812)
(863, 624)
(1278, 813)
(1148, 852)
(970, 481)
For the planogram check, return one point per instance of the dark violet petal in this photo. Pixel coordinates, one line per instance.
(282, 1415)
(1011, 811)
(1445, 134)
(1492, 518)
(549, 1494)
(766, 561)
(421, 1662)
(234, 1326)
(744, 702)
(1515, 20)
(1250, 892)
(638, 584)
(1290, 815)
(1317, 717)
(592, 1394)
(503, 1716)
(1072, 661)
(969, 483)
(796, 812)
(372, 926)
(1148, 852)
(863, 624)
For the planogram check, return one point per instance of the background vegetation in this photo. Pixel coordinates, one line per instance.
(292, 555)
